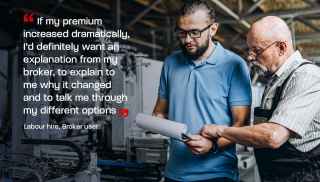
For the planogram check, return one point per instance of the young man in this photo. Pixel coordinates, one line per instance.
(201, 84)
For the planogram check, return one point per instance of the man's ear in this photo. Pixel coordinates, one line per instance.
(283, 47)
(214, 28)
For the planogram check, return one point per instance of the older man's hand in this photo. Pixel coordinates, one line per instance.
(212, 131)
(199, 144)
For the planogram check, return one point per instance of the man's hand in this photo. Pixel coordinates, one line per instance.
(199, 144)
(159, 115)
(212, 131)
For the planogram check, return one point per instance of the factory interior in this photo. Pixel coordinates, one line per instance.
(119, 151)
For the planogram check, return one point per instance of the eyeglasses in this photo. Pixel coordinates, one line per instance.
(192, 33)
(253, 54)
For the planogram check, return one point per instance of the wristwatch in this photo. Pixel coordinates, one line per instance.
(215, 147)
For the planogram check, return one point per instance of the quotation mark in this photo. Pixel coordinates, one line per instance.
(28, 18)
(123, 112)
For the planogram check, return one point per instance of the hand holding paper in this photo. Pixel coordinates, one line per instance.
(162, 126)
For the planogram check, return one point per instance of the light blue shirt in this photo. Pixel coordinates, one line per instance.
(198, 95)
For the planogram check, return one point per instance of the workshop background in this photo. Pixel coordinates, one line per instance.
(119, 151)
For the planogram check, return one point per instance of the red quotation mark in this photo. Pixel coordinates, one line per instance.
(28, 18)
(123, 112)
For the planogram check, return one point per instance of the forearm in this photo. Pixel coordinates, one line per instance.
(161, 108)
(241, 116)
(249, 136)
(259, 136)
(223, 143)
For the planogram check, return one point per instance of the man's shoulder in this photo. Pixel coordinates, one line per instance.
(231, 57)
(233, 61)
(308, 70)
(174, 58)
(305, 77)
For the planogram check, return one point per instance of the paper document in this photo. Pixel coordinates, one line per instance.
(162, 126)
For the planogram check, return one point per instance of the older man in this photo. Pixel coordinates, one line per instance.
(287, 142)
(202, 83)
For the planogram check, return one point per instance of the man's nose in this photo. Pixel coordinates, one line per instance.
(188, 38)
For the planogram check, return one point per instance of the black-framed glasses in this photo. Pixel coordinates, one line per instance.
(254, 53)
(192, 33)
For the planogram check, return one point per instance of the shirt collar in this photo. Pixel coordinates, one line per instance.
(216, 53)
(213, 57)
(292, 60)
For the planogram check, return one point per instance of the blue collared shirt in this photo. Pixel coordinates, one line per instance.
(198, 95)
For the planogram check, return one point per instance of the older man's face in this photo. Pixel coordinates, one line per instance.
(262, 53)
(194, 34)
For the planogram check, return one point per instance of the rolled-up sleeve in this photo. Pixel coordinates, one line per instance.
(299, 104)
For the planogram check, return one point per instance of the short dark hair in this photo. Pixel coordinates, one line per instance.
(191, 6)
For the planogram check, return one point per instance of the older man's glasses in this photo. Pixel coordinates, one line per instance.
(253, 54)
(192, 33)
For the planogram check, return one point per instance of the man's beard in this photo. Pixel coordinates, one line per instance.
(261, 70)
(199, 51)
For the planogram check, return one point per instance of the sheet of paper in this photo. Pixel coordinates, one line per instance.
(162, 126)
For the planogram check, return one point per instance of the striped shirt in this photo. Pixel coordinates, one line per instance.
(299, 107)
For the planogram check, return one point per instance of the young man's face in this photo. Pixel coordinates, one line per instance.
(194, 32)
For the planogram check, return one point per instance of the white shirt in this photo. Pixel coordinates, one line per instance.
(299, 107)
